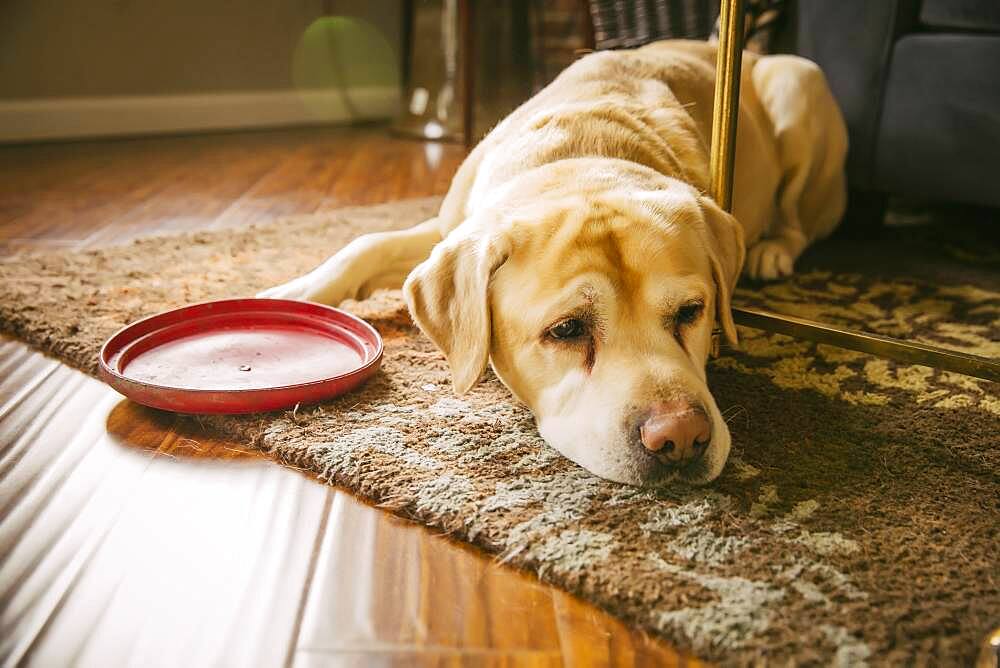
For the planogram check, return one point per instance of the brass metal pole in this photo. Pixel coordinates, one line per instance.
(907, 352)
(725, 114)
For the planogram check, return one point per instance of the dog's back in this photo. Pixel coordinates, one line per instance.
(652, 106)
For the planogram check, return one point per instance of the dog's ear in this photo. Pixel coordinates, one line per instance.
(726, 252)
(448, 297)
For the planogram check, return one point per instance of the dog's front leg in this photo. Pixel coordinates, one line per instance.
(370, 262)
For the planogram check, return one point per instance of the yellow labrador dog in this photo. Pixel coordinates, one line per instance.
(577, 250)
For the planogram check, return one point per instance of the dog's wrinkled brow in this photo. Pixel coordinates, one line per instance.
(680, 290)
(579, 297)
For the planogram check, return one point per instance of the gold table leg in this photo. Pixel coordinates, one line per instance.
(725, 114)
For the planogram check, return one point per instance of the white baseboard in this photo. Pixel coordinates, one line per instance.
(73, 118)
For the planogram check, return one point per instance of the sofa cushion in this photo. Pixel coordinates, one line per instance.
(939, 132)
(981, 15)
(856, 62)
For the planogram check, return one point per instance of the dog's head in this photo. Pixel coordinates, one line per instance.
(596, 308)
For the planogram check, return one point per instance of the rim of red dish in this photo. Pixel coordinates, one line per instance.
(107, 368)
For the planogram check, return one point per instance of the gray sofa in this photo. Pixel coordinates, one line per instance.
(919, 84)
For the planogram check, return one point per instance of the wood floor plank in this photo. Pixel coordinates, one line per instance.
(190, 556)
(192, 196)
(100, 182)
(297, 185)
(120, 177)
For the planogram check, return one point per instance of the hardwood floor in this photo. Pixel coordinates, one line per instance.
(128, 540)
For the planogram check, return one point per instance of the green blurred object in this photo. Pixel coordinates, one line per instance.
(345, 64)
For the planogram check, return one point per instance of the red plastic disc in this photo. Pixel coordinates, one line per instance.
(241, 356)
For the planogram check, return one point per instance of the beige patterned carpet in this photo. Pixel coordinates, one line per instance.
(857, 520)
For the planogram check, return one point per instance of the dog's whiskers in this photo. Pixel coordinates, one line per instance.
(735, 411)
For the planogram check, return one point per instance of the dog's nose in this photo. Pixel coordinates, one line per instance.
(676, 431)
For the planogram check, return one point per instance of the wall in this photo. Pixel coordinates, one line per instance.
(195, 58)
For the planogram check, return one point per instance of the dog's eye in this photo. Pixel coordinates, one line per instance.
(688, 313)
(570, 328)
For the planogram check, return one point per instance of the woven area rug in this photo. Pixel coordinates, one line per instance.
(857, 520)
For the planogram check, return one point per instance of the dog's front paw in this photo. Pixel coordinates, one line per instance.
(768, 260)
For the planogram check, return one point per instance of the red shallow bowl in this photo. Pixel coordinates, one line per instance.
(241, 356)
